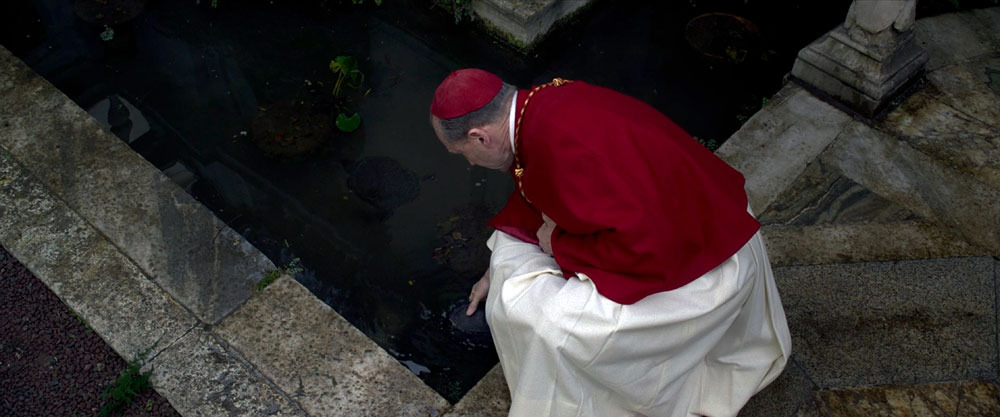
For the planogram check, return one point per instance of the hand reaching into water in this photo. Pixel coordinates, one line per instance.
(479, 291)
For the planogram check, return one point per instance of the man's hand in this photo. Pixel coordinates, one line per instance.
(545, 234)
(479, 291)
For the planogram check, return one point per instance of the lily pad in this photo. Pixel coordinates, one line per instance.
(348, 124)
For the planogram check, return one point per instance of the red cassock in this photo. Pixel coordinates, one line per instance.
(641, 207)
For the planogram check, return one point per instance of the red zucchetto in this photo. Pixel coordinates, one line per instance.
(464, 91)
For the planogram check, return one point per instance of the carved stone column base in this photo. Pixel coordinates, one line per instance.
(865, 76)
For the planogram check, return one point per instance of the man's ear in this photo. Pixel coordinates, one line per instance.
(479, 135)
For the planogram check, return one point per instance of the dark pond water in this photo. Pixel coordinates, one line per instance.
(235, 103)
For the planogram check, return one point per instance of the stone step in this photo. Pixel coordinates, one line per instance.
(900, 322)
(932, 188)
(190, 367)
(825, 217)
(887, 325)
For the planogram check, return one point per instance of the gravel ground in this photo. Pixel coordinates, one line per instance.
(51, 364)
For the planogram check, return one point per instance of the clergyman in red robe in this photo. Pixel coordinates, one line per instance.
(628, 276)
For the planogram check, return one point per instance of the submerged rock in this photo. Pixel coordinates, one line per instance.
(476, 323)
(382, 182)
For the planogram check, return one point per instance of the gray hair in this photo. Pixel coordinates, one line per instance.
(455, 129)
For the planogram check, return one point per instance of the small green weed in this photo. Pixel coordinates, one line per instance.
(129, 384)
(346, 68)
(292, 268)
(460, 9)
(711, 144)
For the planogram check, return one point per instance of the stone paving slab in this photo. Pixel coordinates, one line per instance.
(775, 145)
(966, 399)
(321, 360)
(971, 88)
(825, 217)
(489, 398)
(178, 242)
(946, 134)
(80, 266)
(823, 196)
(962, 204)
(952, 38)
(902, 322)
(200, 376)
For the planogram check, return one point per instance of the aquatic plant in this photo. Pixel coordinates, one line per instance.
(346, 68)
(108, 34)
(711, 144)
(377, 2)
(292, 268)
(348, 123)
(460, 9)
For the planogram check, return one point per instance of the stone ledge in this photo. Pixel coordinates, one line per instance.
(201, 377)
(83, 269)
(774, 147)
(176, 241)
(321, 360)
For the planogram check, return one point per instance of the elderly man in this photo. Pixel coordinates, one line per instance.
(628, 277)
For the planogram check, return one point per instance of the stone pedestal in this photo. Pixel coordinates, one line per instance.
(866, 61)
(522, 22)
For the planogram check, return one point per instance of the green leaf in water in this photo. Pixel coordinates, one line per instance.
(108, 34)
(348, 124)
